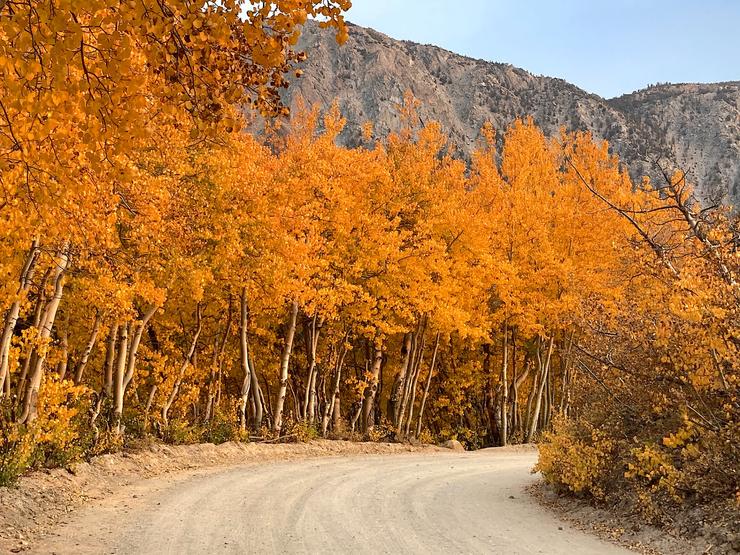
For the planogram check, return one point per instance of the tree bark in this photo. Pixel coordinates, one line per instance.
(566, 378)
(370, 391)
(244, 360)
(110, 359)
(214, 381)
(398, 383)
(64, 344)
(505, 387)
(330, 407)
(259, 401)
(118, 379)
(11, 317)
(514, 390)
(312, 341)
(128, 347)
(411, 377)
(187, 362)
(544, 371)
(426, 387)
(47, 324)
(79, 371)
(134, 346)
(284, 366)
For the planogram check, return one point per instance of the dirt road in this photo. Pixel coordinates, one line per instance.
(432, 503)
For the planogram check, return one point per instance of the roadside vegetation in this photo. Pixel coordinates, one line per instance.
(164, 273)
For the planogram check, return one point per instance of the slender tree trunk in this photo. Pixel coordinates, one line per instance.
(330, 407)
(307, 341)
(514, 390)
(30, 355)
(187, 362)
(550, 397)
(44, 336)
(110, 359)
(267, 399)
(244, 360)
(256, 396)
(11, 318)
(356, 416)
(489, 394)
(134, 345)
(531, 398)
(313, 396)
(371, 390)
(411, 376)
(63, 364)
(214, 384)
(312, 340)
(149, 402)
(128, 347)
(284, 366)
(88, 350)
(296, 402)
(414, 383)
(336, 418)
(211, 389)
(216, 393)
(252, 406)
(119, 377)
(426, 387)
(505, 387)
(394, 403)
(264, 403)
(545, 368)
(566, 379)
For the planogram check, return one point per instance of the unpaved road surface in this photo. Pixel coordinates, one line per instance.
(430, 503)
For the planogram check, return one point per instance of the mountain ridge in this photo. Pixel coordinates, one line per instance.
(695, 125)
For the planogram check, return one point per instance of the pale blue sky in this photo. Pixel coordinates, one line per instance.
(608, 47)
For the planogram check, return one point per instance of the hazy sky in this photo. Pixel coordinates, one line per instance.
(608, 47)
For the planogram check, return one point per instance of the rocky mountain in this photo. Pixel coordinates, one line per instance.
(695, 126)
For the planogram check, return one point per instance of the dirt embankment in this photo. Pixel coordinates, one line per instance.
(620, 525)
(43, 499)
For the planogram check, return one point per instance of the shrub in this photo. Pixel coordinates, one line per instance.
(576, 457)
(382, 432)
(53, 439)
(302, 432)
(179, 432)
(426, 437)
(16, 451)
(221, 428)
(57, 431)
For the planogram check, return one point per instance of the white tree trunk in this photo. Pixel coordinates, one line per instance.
(284, 366)
(369, 399)
(187, 362)
(44, 336)
(88, 351)
(244, 358)
(426, 387)
(11, 318)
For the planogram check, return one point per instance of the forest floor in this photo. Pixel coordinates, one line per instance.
(328, 496)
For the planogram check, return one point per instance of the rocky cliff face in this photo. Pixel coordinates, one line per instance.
(698, 126)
